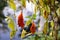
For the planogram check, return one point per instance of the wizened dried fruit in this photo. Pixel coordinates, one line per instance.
(33, 28)
(21, 20)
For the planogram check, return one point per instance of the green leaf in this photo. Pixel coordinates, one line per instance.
(34, 16)
(28, 16)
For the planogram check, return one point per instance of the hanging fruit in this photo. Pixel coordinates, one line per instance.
(12, 4)
(45, 15)
(26, 31)
(23, 2)
(41, 3)
(45, 28)
(33, 28)
(23, 34)
(52, 23)
(21, 20)
(11, 26)
(12, 34)
(10, 21)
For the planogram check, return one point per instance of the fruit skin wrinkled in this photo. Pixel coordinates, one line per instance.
(23, 2)
(33, 28)
(12, 5)
(21, 20)
(52, 23)
(10, 21)
(45, 14)
(45, 28)
(11, 26)
(12, 34)
(23, 33)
